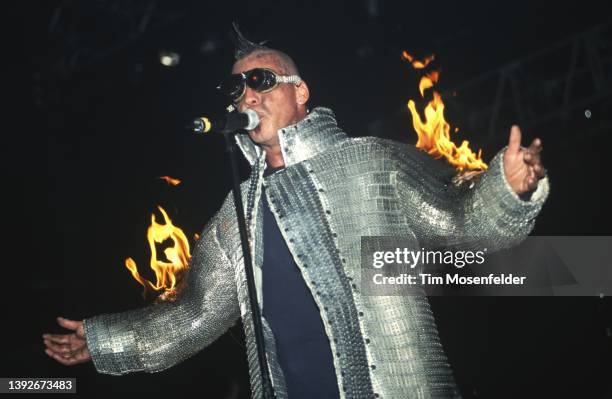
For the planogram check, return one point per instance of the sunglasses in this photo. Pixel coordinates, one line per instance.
(261, 80)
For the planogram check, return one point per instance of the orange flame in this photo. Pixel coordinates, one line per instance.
(170, 180)
(166, 273)
(434, 133)
(428, 81)
(417, 64)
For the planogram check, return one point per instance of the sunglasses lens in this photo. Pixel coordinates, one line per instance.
(233, 86)
(261, 80)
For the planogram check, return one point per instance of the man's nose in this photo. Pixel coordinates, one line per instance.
(251, 97)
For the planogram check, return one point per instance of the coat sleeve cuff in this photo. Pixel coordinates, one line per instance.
(112, 344)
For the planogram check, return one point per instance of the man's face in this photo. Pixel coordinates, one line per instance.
(276, 109)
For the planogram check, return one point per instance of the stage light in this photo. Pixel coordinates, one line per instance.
(169, 58)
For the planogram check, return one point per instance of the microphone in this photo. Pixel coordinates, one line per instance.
(233, 121)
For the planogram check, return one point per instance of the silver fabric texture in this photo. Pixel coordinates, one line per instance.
(160, 336)
(333, 191)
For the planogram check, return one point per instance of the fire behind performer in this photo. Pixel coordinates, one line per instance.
(312, 194)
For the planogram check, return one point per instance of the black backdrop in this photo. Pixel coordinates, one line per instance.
(94, 118)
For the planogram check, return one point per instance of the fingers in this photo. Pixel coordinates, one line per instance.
(533, 159)
(69, 324)
(514, 143)
(536, 146)
(65, 355)
(532, 181)
(534, 174)
(539, 170)
(533, 184)
(66, 361)
(58, 338)
(61, 349)
(532, 154)
(56, 356)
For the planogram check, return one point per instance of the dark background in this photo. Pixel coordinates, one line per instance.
(94, 118)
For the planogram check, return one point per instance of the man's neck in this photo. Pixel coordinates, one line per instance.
(274, 157)
(275, 160)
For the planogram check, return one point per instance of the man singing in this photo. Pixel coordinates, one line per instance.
(312, 194)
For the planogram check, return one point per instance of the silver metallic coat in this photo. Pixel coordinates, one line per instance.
(333, 190)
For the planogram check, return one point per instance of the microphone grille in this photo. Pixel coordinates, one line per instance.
(253, 119)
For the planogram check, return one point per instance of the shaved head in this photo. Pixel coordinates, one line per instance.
(285, 64)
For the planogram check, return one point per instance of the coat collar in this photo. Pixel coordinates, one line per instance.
(314, 134)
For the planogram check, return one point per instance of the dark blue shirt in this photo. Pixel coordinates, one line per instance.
(303, 348)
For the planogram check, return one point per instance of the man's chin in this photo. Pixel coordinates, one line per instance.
(258, 135)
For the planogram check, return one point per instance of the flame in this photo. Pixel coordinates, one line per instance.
(417, 64)
(170, 180)
(428, 81)
(434, 133)
(178, 255)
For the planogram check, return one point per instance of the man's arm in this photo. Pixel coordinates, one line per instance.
(486, 212)
(159, 336)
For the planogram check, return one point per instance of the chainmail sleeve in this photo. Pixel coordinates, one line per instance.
(159, 336)
(482, 213)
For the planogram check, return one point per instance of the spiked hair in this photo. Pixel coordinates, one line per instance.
(243, 48)
(242, 45)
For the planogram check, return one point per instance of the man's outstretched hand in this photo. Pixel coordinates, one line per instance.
(68, 349)
(522, 166)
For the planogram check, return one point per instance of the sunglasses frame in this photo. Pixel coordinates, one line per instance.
(245, 76)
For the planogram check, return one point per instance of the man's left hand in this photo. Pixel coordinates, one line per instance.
(522, 166)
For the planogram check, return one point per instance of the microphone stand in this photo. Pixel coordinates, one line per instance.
(230, 146)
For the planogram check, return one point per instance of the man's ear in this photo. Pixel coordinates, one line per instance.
(302, 94)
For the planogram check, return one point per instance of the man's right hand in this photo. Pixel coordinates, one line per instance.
(68, 349)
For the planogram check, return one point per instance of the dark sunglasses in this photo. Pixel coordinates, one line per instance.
(261, 80)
